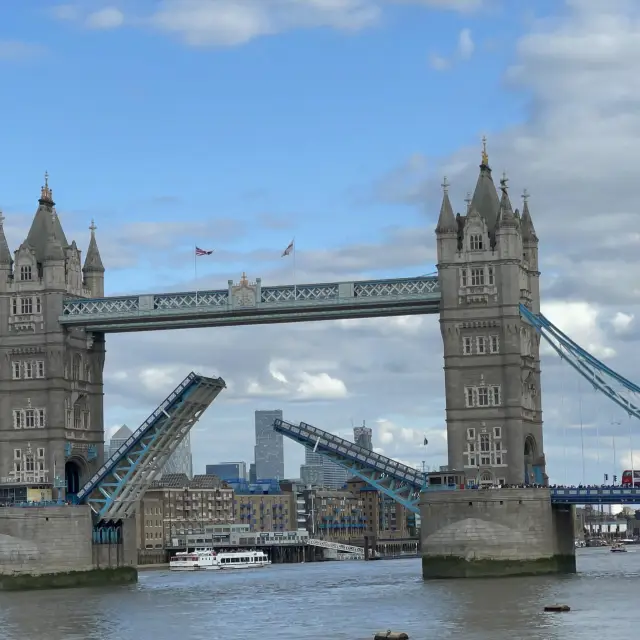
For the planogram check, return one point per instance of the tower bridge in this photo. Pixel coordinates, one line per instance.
(54, 317)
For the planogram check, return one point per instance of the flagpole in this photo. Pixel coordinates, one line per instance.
(295, 284)
(195, 270)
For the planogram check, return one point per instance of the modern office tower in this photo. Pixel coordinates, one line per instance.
(252, 473)
(228, 470)
(181, 460)
(318, 470)
(117, 440)
(269, 448)
(362, 436)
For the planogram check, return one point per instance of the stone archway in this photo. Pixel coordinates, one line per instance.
(530, 454)
(485, 478)
(72, 476)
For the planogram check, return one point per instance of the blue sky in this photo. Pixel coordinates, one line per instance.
(186, 121)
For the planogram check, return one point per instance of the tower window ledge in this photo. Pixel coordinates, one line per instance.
(26, 318)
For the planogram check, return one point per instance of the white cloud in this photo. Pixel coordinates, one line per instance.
(201, 23)
(464, 50)
(466, 45)
(622, 322)
(14, 50)
(579, 320)
(107, 18)
(439, 63)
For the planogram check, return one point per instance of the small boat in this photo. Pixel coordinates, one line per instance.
(618, 548)
(209, 560)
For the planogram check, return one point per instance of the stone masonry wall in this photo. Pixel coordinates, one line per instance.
(499, 532)
(44, 540)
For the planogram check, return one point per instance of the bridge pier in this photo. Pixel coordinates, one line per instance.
(499, 532)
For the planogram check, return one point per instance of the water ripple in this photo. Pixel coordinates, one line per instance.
(341, 600)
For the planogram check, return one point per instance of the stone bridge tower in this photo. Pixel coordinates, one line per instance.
(51, 418)
(487, 266)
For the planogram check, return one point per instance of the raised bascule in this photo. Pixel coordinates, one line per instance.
(54, 317)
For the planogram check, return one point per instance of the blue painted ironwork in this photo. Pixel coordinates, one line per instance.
(397, 480)
(251, 303)
(616, 387)
(595, 495)
(113, 491)
(107, 533)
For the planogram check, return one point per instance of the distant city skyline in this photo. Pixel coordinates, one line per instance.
(269, 445)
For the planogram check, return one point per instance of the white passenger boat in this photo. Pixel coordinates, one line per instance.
(207, 560)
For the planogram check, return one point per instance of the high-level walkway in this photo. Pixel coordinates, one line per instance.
(251, 303)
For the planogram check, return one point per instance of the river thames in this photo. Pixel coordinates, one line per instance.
(341, 600)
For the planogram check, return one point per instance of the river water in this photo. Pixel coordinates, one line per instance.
(341, 600)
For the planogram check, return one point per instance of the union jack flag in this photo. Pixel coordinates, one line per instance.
(288, 250)
(202, 252)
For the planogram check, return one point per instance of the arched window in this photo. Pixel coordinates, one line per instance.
(77, 366)
(475, 242)
(486, 477)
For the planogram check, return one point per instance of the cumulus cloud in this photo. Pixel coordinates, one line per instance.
(464, 50)
(202, 23)
(575, 151)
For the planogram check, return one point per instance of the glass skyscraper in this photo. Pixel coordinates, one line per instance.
(269, 448)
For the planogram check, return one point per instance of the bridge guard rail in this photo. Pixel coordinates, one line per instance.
(116, 487)
(397, 480)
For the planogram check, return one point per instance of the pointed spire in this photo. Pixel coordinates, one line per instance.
(53, 250)
(446, 220)
(93, 261)
(505, 216)
(485, 155)
(528, 231)
(468, 201)
(485, 197)
(5, 254)
(46, 194)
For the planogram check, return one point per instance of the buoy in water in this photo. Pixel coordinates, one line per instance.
(557, 608)
(391, 635)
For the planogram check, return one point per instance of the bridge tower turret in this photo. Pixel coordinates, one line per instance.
(51, 422)
(487, 266)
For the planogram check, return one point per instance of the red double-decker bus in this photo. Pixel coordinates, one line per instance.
(626, 478)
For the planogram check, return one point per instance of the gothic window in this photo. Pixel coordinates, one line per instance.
(486, 478)
(497, 432)
(28, 370)
(25, 272)
(25, 466)
(494, 344)
(481, 345)
(501, 482)
(463, 278)
(77, 417)
(87, 373)
(29, 418)
(475, 242)
(469, 396)
(471, 434)
(26, 306)
(68, 415)
(477, 277)
(16, 370)
(466, 346)
(490, 276)
(39, 368)
(484, 396)
(18, 419)
(77, 366)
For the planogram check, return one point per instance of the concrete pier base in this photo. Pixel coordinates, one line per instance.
(51, 547)
(495, 532)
